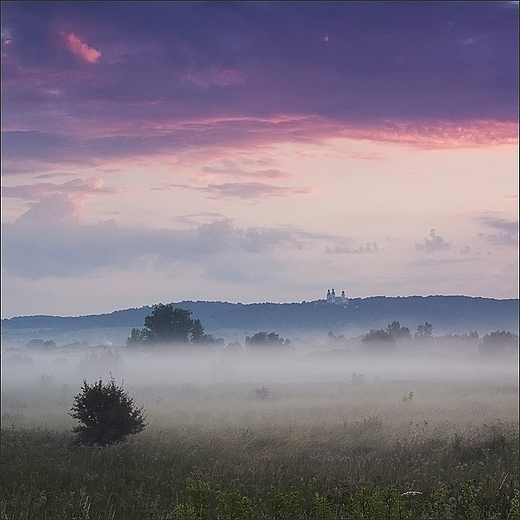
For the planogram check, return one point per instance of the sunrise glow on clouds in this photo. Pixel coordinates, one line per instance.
(80, 48)
(256, 152)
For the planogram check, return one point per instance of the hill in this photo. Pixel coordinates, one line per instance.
(448, 314)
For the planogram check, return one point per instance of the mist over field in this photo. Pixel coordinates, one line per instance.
(314, 428)
(444, 374)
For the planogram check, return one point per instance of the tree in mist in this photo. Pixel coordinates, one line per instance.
(382, 339)
(396, 332)
(41, 345)
(263, 339)
(424, 331)
(167, 324)
(136, 336)
(106, 413)
(376, 336)
(499, 343)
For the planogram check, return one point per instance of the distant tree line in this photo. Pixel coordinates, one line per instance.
(263, 339)
(175, 326)
(496, 343)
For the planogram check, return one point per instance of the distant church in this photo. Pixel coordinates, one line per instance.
(332, 299)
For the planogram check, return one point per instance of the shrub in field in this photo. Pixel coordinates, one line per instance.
(408, 398)
(357, 379)
(262, 393)
(107, 413)
(232, 504)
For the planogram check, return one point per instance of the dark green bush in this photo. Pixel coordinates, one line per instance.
(107, 414)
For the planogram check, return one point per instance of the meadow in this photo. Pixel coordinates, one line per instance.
(334, 435)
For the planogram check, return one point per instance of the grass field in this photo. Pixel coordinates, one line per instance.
(399, 441)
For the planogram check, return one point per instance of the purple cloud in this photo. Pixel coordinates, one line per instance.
(83, 82)
(433, 243)
(238, 172)
(507, 235)
(41, 190)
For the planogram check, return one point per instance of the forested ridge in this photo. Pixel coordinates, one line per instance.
(448, 313)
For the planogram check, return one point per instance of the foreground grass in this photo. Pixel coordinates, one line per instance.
(383, 449)
(268, 473)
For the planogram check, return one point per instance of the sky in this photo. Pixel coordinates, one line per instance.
(256, 151)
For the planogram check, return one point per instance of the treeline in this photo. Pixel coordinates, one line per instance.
(496, 343)
(173, 326)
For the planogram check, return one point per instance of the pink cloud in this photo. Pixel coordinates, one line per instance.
(439, 134)
(81, 49)
(187, 139)
(56, 202)
(244, 190)
(236, 171)
(55, 208)
(368, 156)
(92, 186)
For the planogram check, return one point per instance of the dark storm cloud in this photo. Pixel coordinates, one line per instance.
(121, 67)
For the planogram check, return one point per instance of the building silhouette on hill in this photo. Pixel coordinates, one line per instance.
(332, 299)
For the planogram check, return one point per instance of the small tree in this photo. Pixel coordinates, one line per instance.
(424, 331)
(262, 393)
(108, 415)
(397, 332)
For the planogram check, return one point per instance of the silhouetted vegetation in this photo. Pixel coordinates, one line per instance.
(396, 332)
(169, 325)
(376, 339)
(263, 339)
(499, 343)
(106, 413)
(424, 331)
(262, 393)
(40, 344)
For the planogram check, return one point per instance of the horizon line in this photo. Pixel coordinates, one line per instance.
(256, 303)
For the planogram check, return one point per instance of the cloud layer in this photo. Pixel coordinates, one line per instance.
(267, 149)
(151, 79)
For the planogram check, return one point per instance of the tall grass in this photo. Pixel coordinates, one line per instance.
(309, 450)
